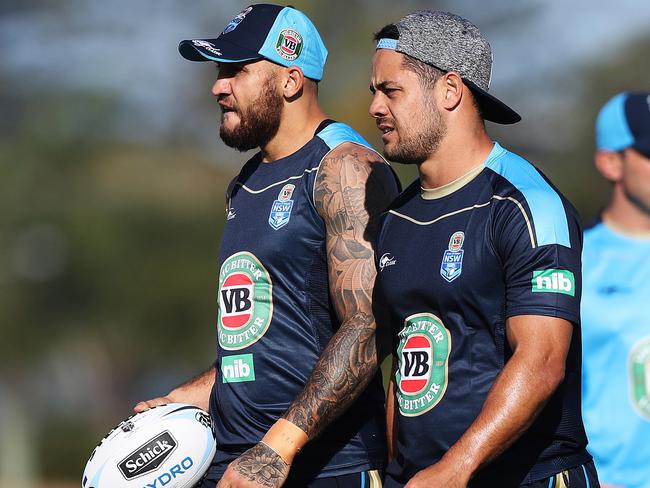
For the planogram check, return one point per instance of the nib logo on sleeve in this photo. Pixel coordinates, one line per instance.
(554, 281)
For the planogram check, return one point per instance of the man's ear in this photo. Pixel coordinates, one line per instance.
(609, 164)
(294, 81)
(451, 86)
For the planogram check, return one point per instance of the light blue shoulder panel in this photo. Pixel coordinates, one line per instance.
(338, 133)
(548, 214)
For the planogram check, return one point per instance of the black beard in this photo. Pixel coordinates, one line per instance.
(259, 123)
(418, 147)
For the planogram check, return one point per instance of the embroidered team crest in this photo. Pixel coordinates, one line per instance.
(640, 377)
(452, 260)
(423, 354)
(232, 25)
(281, 208)
(289, 44)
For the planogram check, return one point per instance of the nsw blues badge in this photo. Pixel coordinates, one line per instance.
(452, 260)
(281, 208)
(232, 25)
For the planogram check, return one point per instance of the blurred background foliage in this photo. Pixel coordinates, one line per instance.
(112, 181)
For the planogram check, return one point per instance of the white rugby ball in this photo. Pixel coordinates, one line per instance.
(169, 446)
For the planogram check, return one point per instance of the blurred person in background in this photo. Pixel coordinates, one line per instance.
(616, 299)
(483, 280)
(297, 270)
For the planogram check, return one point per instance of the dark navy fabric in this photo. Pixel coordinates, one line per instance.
(583, 476)
(275, 316)
(363, 479)
(241, 40)
(452, 270)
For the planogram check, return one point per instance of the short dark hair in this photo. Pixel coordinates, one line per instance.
(427, 73)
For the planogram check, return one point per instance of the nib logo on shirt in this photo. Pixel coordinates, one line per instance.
(554, 281)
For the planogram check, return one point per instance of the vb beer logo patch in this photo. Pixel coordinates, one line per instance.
(245, 301)
(640, 377)
(289, 44)
(423, 356)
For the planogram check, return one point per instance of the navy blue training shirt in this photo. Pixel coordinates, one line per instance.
(454, 264)
(275, 316)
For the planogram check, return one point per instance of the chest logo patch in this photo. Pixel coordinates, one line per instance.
(423, 355)
(281, 208)
(245, 301)
(386, 260)
(639, 367)
(452, 259)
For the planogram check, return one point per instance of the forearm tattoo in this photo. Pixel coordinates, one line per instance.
(262, 465)
(351, 191)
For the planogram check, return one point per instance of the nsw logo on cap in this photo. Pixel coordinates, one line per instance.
(232, 25)
(289, 44)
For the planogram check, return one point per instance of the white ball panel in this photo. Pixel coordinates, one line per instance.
(170, 446)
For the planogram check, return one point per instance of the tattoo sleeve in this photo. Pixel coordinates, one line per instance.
(354, 186)
(262, 465)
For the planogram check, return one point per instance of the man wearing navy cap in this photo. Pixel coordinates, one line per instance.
(615, 307)
(481, 278)
(296, 342)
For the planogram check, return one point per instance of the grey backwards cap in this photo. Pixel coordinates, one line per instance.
(451, 43)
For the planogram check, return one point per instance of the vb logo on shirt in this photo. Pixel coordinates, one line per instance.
(245, 301)
(639, 368)
(423, 353)
(554, 281)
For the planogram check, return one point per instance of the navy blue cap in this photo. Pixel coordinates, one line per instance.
(279, 34)
(624, 122)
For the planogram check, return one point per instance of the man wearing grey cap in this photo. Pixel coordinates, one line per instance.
(480, 268)
(615, 308)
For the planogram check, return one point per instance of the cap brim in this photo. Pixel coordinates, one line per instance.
(216, 50)
(492, 108)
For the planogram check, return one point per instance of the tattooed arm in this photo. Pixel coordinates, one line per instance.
(352, 190)
(354, 186)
